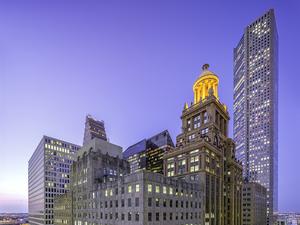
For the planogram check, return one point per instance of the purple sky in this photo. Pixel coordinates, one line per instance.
(132, 64)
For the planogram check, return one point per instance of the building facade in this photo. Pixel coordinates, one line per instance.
(204, 153)
(254, 204)
(93, 128)
(103, 192)
(48, 176)
(256, 105)
(288, 218)
(144, 198)
(147, 154)
(63, 209)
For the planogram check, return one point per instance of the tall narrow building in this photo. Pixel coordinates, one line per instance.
(93, 128)
(256, 105)
(48, 176)
(206, 155)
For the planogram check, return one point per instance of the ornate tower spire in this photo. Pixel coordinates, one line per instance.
(206, 81)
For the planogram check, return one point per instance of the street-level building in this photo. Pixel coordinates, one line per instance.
(204, 153)
(254, 204)
(48, 176)
(147, 154)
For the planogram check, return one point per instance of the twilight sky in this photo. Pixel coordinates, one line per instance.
(132, 64)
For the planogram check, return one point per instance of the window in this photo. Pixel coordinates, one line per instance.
(129, 202)
(129, 189)
(171, 191)
(170, 173)
(205, 117)
(149, 202)
(137, 217)
(122, 202)
(137, 202)
(149, 187)
(204, 131)
(164, 189)
(149, 216)
(194, 166)
(165, 203)
(137, 188)
(157, 189)
(157, 202)
(129, 216)
(157, 216)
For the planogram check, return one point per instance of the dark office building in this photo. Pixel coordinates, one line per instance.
(148, 153)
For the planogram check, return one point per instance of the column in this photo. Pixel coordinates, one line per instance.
(203, 90)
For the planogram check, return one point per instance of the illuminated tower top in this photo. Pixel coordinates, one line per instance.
(206, 82)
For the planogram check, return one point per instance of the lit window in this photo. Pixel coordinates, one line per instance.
(137, 188)
(129, 189)
(149, 187)
(164, 189)
(157, 189)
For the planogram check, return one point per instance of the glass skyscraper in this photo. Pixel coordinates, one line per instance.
(256, 105)
(48, 175)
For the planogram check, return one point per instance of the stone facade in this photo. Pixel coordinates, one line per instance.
(254, 204)
(206, 155)
(93, 129)
(143, 198)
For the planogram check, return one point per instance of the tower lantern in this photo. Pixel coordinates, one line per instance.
(206, 81)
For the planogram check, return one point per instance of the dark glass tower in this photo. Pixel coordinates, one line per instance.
(256, 105)
(148, 153)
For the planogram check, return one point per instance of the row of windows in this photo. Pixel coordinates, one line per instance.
(150, 187)
(151, 216)
(157, 202)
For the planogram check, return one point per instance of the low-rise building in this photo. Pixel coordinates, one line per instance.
(143, 198)
(254, 204)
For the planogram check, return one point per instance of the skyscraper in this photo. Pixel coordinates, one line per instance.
(93, 128)
(256, 105)
(147, 154)
(206, 155)
(48, 175)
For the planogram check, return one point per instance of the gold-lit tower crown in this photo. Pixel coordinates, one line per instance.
(206, 84)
